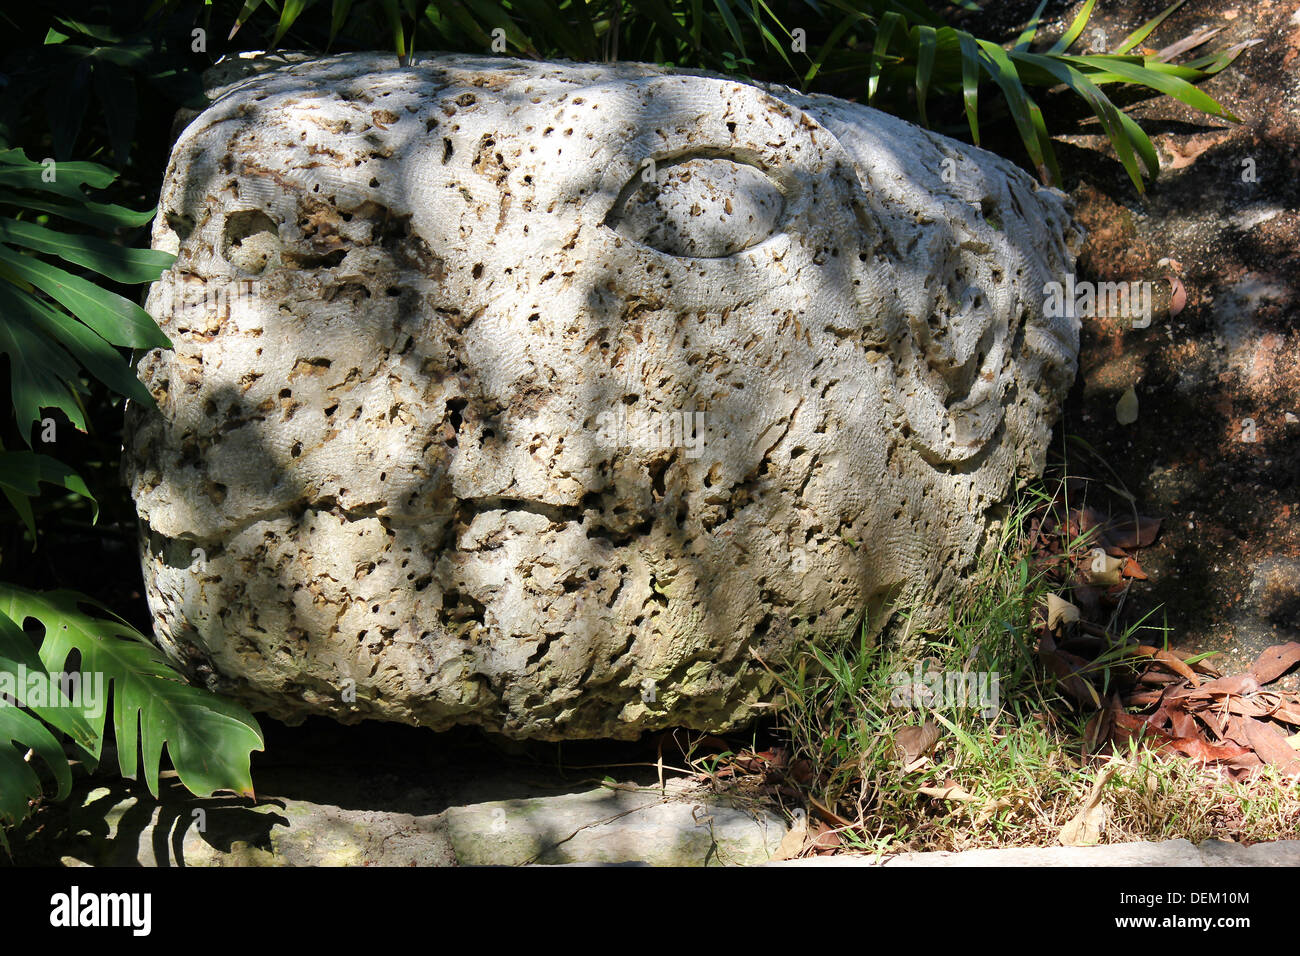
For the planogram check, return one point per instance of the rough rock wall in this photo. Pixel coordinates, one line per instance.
(542, 397)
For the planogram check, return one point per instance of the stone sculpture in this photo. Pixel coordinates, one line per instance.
(549, 398)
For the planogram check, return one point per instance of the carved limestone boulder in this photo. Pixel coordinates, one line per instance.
(549, 397)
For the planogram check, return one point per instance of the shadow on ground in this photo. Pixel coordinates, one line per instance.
(384, 795)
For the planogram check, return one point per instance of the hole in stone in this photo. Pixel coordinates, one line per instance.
(248, 238)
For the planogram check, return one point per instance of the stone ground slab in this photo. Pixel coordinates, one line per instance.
(336, 804)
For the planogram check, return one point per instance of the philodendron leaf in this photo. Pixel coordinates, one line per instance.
(20, 731)
(210, 740)
(18, 659)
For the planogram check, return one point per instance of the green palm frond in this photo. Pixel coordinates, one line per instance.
(56, 322)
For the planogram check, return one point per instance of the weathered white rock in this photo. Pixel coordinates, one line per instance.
(542, 397)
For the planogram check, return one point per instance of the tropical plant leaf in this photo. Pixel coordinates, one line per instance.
(19, 783)
(1004, 74)
(210, 740)
(769, 38)
(1156, 79)
(733, 28)
(119, 263)
(115, 91)
(884, 33)
(118, 320)
(64, 178)
(242, 17)
(40, 376)
(1044, 141)
(393, 14)
(66, 101)
(98, 215)
(95, 354)
(339, 16)
(832, 43)
(18, 655)
(926, 42)
(288, 14)
(1213, 63)
(20, 472)
(1104, 109)
(970, 81)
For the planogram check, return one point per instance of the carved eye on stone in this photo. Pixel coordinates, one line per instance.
(699, 207)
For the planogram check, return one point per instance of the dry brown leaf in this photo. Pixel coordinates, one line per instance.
(1201, 667)
(1064, 665)
(1086, 827)
(1060, 611)
(1143, 698)
(1189, 42)
(1088, 599)
(1126, 533)
(1198, 749)
(823, 838)
(1134, 570)
(801, 771)
(950, 791)
(1288, 712)
(1236, 732)
(1243, 766)
(791, 844)
(913, 743)
(827, 814)
(1126, 726)
(987, 812)
(1173, 662)
(1258, 705)
(1272, 748)
(1238, 684)
(1097, 731)
(1101, 569)
(1276, 661)
(1183, 723)
(1159, 679)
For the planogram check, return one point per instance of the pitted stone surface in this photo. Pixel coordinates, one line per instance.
(544, 397)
